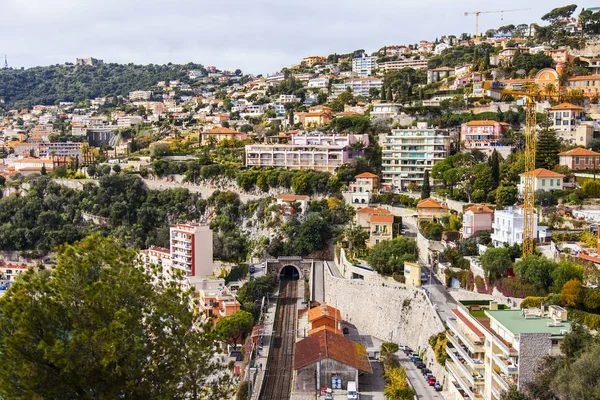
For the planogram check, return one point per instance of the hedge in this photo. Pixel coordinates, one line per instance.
(592, 321)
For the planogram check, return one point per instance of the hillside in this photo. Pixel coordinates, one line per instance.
(46, 85)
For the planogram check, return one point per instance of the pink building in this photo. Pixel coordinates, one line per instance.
(482, 134)
(477, 218)
(363, 187)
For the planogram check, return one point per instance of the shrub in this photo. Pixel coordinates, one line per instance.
(590, 320)
(515, 287)
(438, 344)
(480, 285)
(388, 347)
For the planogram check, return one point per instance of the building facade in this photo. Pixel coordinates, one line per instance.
(482, 134)
(544, 179)
(358, 86)
(307, 151)
(407, 153)
(363, 186)
(215, 300)
(380, 228)
(566, 116)
(363, 66)
(491, 347)
(192, 249)
(475, 219)
(579, 159)
(508, 226)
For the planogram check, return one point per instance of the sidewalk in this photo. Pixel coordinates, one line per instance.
(257, 375)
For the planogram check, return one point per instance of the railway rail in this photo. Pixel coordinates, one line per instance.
(280, 367)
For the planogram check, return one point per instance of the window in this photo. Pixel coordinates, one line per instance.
(554, 342)
(558, 182)
(566, 122)
(576, 160)
(551, 182)
(543, 182)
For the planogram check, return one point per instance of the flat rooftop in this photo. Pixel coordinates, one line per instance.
(515, 322)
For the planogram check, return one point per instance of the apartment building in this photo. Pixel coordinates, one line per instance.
(508, 226)
(380, 228)
(386, 110)
(566, 116)
(140, 95)
(482, 134)
(192, 249)
(576, 159)
(60, 149)
(318, 83)
(364, 66)
(358, 86)
(492, 347)
(310, 61)
(400, 64)
(407, 153)
(306, 151)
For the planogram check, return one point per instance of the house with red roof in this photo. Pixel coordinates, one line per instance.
(363, 187)
(475, 219)
(380, 228)
(482, 134)
(363, 215)
(431, 209)
(543, 180)
(325, 355)
(579, 159)
(292, 204)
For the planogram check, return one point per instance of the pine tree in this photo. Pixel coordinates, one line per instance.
(43, 170)
(389, 95)
(383, 98)
(426, 188)
(548, 147)
(494, 162)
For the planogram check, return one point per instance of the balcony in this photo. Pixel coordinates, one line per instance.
(471, 345)
(459, 378)
(180, 239)
(505, 365)
(472, 377)
(504, 382)
(182, 246)
(473, 363)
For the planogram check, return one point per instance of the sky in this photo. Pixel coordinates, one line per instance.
(257, 36)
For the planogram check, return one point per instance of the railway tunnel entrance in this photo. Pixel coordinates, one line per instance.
(289, 272)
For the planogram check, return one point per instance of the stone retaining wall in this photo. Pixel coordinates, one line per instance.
(387, 310)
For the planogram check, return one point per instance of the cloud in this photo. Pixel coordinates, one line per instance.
(258, 36)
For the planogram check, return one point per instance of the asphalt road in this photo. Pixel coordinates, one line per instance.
(414, 375)
(439, 296)
(318, 284)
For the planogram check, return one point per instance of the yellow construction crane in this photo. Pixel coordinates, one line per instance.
(467, 13)
(530, 94)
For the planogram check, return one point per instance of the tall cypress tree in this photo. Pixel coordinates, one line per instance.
(426, 188)
(548, 146)
(494, 163)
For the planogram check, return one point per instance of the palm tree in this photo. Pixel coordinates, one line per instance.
(550, 90)
(52, 157)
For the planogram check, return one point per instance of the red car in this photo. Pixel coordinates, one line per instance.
(431, 381)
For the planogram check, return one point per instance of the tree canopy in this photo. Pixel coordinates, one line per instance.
(98, 327)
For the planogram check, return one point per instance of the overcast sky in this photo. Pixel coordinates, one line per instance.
(258, 36)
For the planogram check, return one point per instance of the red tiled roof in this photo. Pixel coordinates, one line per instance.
(366, 175)
(324, 328)
(578, 151)
(468, 323)
(324, 311)
(430, 203)
(480, 209)
(543, 173)
(326, 344)
(372, 210)
(227, 131)
(381, 218)
(566, 106)
(484, 122)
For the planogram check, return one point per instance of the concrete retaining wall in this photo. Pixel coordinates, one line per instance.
(387, 310)
(461, 294)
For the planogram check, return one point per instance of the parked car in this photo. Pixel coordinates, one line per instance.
(415, 357)
(431, 381)
(420, 365)
(437, 387)
(425, 372)
(252, 269)
(404, 348)
(428, 376)
(408, 351)
(416, 360)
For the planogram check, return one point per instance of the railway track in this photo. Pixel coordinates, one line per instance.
(280, 368)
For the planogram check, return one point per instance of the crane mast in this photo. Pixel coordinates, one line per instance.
(530, 149)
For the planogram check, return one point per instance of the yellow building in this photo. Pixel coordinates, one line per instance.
(313, 60)
(412, 273)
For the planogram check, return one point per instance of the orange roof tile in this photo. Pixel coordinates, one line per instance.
(480, 209)
(324, 311)
(324, 328)
(430, 203)
(372, 210)
(543, 173)
(482, 122)
(291, 197)
(366, 175)
(381, 218)
(326, 344)
(566, 106)
(228, 131)
(578, 151)
(584, 78)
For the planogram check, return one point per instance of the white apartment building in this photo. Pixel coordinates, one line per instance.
(254, 110)
(491, 347)
(318, 83)
(358, 86)
(400, 64)
(306, 151)
(192, 249)
(363, 66)
(407, 153)
(508, 226)
(287, 98)
(386, 110)
(140, 95)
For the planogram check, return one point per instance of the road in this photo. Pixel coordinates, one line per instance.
(439, 296)
(414, 375)
(318, 284)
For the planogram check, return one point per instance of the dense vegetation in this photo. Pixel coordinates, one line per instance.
(47, 85)
(100, 326)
